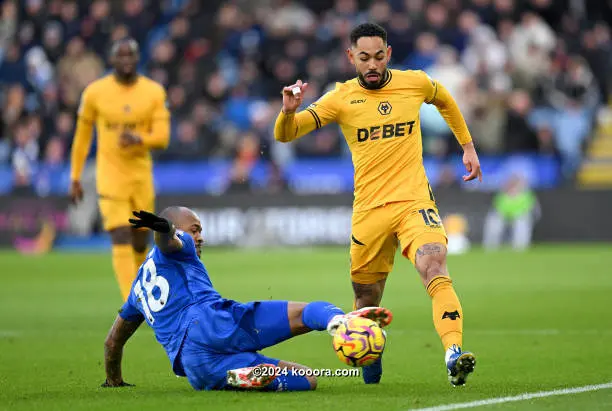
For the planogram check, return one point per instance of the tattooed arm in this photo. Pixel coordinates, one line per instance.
(118, 335)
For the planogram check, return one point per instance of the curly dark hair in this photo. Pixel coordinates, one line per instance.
(368, 30)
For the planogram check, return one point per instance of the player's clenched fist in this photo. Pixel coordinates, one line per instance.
(292, 96)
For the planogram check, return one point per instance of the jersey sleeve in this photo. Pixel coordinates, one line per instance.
(161, 112)
(159, 135)
(129, 312)
(429, 87)
(87, 106)
(325, 109)
(83, 134)
(188, 250)
(436, 94)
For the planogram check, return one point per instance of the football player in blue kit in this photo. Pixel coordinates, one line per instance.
(212, 341)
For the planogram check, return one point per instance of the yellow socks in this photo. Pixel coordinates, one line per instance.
(447, 313)
(125, 270)
(139, 259)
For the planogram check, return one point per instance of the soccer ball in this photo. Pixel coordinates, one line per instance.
(359, 342)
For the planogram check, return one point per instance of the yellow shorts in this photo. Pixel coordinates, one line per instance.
(117, 209)
(377, 232)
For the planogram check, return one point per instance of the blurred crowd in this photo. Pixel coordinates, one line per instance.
(528, 75)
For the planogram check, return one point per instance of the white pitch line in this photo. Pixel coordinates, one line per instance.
(520, 397)
(526, 332)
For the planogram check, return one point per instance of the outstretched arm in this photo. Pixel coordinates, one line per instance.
(290, 125)
(165, 233)
(118, 335)
(168, 242)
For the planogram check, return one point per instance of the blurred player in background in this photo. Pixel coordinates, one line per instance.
(379, 115)
(212, 341)
(516, 206)
(130, 115)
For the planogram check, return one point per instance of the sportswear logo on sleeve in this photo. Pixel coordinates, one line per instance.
(356, 241)
(453, 316)
(384, 108)
(127, 108)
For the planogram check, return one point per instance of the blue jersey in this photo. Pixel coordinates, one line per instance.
(170, 291)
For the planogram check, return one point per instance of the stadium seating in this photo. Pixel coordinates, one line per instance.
(531, 80)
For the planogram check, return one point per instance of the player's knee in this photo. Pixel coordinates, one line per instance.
(295, 311)
(140, 241)
(431, 261)
(139, 248)
(432, 270)
(121, 235)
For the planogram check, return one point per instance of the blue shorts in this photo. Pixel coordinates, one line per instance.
(263, 324)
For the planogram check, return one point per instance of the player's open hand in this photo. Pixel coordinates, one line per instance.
(76, 192)
(111, 384)
(128, 139)
(150, 220)
(292, 96)
(471, 163)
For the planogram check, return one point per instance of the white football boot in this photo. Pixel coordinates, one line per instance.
(380, 315)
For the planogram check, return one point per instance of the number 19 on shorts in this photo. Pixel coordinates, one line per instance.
(430, 216)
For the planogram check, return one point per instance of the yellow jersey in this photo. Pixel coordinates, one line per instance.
(383, 131)
(114, 107)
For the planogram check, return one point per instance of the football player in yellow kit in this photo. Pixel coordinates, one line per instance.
(378, 112)
(130, 115)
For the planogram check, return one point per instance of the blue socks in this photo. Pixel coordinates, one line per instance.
(316, 315)
(289, 383)
(373, 372)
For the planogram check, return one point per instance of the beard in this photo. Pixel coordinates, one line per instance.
(373, 85)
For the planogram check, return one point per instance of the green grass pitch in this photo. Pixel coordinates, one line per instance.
(537, 321)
